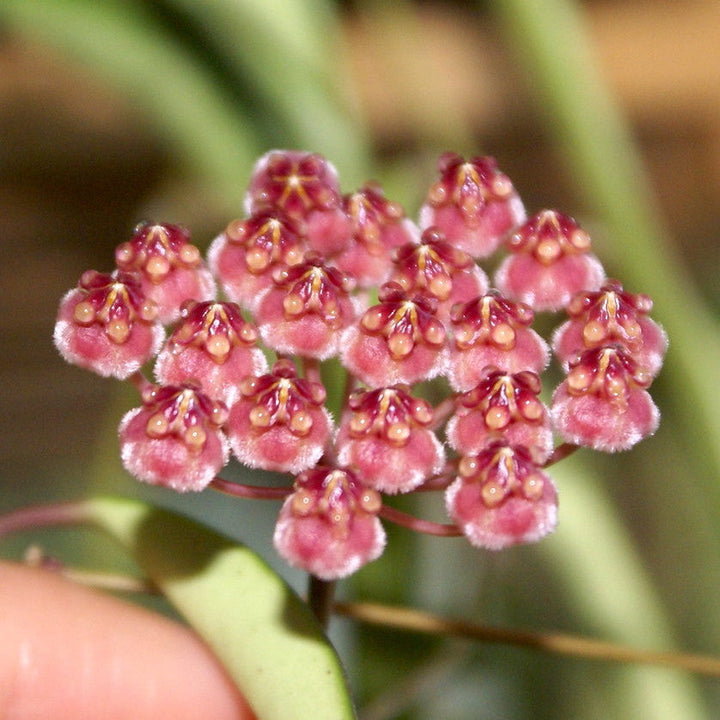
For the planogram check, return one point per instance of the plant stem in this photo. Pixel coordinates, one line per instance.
(424, 526)
(251, 492)
(320, 598)
(560, 643)
(31, 518)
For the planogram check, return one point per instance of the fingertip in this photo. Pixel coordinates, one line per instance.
(70, 652)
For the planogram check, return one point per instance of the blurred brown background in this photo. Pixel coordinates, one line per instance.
(79, 166)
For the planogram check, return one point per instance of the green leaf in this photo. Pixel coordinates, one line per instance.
(267, 638)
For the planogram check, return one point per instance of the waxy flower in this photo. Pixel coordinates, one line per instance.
(491, 330)
(280, 423)
(377, 226)
(174, 439)
(329, 525)
(304, 186)
(437, 268)
(611, 316)
(244, 256)
(602, 403)
(215, 346)
(303, 313)
(385, 437)
(399, 340)
(473, 204)
(170, 267)
(502, 498)
(107, 325)
(550, 262)
(298, 273)
(502, 406)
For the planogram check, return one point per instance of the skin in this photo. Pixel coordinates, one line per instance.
(68, 652)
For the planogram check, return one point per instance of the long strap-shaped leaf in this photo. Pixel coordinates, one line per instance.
(267, 638)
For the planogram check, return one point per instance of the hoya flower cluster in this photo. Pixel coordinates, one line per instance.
(238, 345)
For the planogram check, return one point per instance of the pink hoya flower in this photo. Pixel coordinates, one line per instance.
(491, 330)
(502, 406)
(399, 340)
(171, 268)
(329, 525)
(305, 187)
(602, 403)
(299, 271)
(174, 439)
(215, 346)
(107, 325)
(377, 226)
(473, 203)
(439, 269)
(244, 257)
(280, 422)
(501, 498)
(306, 308)
(611, 316)
(550, 262)
(385, 437)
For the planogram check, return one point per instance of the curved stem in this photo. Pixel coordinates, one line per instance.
(31, 518)
(250, 492)
(560, 643)
(442, 412)
(560, 453)
(140, 382)
(424, 526)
